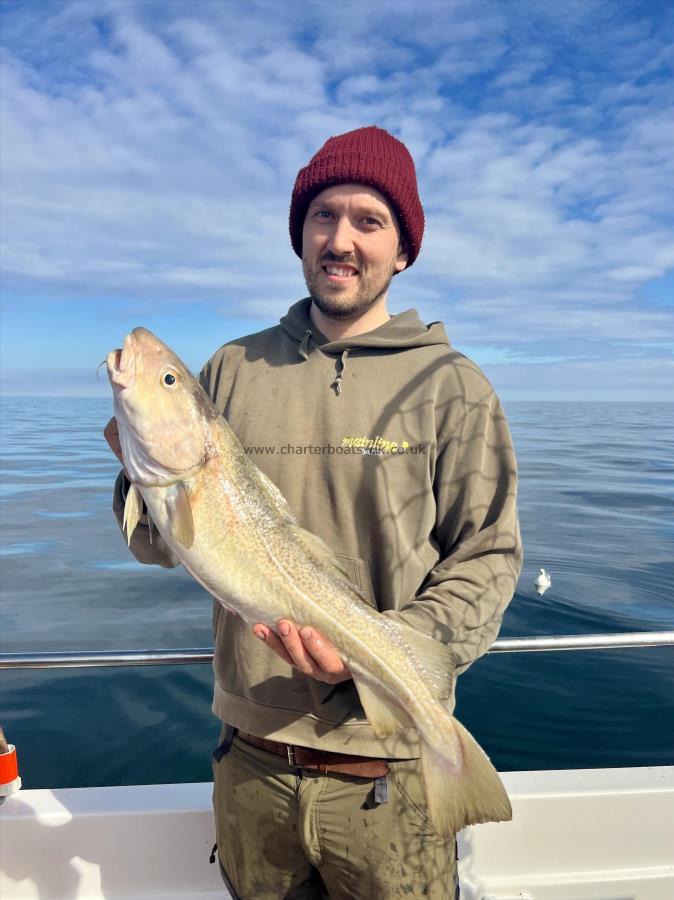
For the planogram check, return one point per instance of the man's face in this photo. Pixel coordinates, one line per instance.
(350, 249)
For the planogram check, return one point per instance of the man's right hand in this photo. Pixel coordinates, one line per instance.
(306, 650)
(111, 434)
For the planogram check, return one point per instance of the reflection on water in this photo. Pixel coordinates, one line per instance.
(596, 504)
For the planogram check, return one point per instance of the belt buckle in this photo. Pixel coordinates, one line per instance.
(291, 754)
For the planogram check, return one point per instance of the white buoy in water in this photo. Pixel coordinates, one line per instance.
(543, 582)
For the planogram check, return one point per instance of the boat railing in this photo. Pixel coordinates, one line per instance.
(190, 656)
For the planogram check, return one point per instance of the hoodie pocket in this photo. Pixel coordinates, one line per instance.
(358, 571)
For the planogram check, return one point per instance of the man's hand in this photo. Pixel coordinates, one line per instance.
(111, 434)
(305, 649)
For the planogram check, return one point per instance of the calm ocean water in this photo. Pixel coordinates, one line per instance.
(597, 511)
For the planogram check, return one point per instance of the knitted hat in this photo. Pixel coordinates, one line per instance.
(369, 156)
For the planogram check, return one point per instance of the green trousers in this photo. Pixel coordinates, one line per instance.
(283, 834)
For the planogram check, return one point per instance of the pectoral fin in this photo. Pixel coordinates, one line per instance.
(133, 506)
(384, 717)
(180, 519)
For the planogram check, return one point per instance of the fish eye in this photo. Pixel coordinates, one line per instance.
(169, 379)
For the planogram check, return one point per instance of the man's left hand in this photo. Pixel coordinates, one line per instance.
(305, 649)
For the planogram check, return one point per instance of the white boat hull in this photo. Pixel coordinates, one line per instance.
(592, 834)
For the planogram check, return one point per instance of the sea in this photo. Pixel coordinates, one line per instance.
(597, 512)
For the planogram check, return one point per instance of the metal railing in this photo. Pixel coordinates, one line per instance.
(190, 656)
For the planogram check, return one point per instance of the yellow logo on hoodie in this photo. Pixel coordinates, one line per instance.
(377, 446)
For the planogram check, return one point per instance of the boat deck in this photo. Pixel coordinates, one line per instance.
(592, 834)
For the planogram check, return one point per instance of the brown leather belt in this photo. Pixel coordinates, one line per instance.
(320, 760)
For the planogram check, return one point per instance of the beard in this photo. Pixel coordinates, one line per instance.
(335, 303)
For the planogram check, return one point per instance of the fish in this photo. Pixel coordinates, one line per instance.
(235, 533)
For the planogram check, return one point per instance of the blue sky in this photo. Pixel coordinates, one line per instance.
(149, 151)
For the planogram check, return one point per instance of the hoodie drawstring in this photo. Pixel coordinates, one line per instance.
(304, 345)
(303, 353)
(341, 363)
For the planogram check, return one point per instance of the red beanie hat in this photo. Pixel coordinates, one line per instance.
(369, 156)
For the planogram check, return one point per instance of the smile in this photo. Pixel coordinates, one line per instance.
(340, 273)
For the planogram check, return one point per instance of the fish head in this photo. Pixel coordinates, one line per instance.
(162, 411)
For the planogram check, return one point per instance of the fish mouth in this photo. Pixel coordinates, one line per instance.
(122, 365)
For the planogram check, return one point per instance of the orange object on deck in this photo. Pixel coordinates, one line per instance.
(9, 770)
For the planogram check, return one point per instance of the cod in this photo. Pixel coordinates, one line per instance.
(233, 530)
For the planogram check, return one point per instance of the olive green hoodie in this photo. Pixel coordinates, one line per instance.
(393, 448)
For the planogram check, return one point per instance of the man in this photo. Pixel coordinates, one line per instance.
(392, 447)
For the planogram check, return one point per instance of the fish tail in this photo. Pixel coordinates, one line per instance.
(464, 794)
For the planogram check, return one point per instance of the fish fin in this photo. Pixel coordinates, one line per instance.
(181, 521)
(384, 717)
(133, 506)
(278, 500)
(465, 794)
(436, 661)
(325, 557)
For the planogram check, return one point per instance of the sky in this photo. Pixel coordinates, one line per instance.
(148, 152)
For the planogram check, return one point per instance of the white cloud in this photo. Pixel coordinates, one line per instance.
(150, 150)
